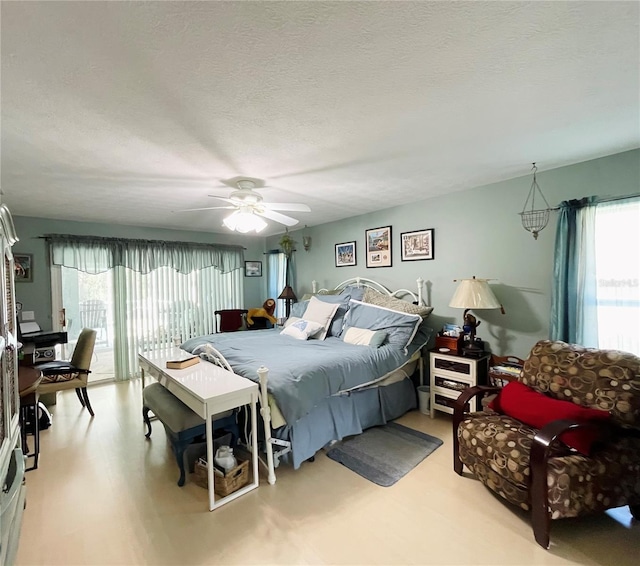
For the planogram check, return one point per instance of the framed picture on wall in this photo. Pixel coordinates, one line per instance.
(23, 265)
(378, 242)
(417, 246)
(253, 269)
(345, 254)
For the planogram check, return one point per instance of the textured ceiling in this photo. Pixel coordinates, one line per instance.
(126, 112)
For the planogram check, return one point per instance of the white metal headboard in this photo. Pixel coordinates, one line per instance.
(364, 282)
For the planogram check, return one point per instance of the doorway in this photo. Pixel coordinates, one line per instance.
(88, 303)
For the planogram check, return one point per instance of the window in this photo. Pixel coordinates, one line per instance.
(617, 264)
(276, 269)
(596, 292)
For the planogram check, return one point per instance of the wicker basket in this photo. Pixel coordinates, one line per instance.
(225, 485)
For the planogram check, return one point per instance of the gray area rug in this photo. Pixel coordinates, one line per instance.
(384, 454)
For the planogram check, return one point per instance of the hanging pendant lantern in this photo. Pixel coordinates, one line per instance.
(534, 220)
(306, 241)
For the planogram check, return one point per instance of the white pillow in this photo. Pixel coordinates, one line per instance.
(290, 321)
(302, 329)
(364, 337)
(322, 313)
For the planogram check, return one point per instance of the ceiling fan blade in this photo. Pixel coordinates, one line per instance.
(222, 198)
(288, 206)
(276, 216)
(207, 208)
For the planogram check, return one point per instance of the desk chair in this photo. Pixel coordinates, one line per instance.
(60, 374)
(230, 320)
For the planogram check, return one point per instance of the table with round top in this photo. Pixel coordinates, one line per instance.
(28, 380)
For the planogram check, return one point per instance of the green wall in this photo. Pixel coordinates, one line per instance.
(477, 232)
(36, 296)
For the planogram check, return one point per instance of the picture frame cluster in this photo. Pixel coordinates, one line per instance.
(417, 245)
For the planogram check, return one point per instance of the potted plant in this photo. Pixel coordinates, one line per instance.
(287, 243)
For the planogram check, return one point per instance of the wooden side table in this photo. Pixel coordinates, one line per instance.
(28, 380)
(503, 369)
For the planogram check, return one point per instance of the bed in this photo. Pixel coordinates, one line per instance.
(354, 376)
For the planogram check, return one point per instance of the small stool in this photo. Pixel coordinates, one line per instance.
(28, 380)
(181, 424)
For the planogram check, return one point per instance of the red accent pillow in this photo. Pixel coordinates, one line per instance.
(536, 409)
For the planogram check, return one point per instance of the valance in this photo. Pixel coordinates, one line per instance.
(93, 254)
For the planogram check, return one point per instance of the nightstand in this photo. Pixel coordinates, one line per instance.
(452, 373)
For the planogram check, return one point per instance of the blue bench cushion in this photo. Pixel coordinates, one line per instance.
(171, 411)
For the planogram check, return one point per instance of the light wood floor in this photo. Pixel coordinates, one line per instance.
(105, 495)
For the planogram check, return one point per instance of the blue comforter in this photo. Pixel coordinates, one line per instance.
(302, 373)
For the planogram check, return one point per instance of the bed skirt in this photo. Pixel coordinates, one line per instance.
(346, 415)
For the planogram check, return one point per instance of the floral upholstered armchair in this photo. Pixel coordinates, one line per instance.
(563, 440)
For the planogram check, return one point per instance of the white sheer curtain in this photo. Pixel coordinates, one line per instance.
(276, 270)
(617, 237)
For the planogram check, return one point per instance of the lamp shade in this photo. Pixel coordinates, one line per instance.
(474, 294)
(288, 294)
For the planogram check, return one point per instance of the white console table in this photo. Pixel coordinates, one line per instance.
(207, 390)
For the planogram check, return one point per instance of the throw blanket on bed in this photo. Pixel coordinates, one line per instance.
(302, 373)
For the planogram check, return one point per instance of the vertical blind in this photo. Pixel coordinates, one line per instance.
(157, 309)
(163, 292)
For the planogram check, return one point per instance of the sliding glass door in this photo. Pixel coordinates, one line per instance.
(164, 307)
(133, 312)
(88, 303)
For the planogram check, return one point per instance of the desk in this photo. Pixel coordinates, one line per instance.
(207, 390)
(38, 346)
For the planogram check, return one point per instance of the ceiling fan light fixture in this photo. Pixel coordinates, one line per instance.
(250, 210)
(243, 221)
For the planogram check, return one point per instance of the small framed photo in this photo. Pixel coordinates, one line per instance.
(23, 266)
(345, 254)
(378, 242)
(253, 269)
(417, 246)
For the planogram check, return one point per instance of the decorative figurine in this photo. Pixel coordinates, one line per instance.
(470, 325)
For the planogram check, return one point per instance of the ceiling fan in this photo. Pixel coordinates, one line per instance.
(248, 206)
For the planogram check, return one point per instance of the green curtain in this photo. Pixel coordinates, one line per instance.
(574, 316)
(96, 255)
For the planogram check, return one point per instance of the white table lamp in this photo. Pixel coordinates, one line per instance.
(473, 294)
